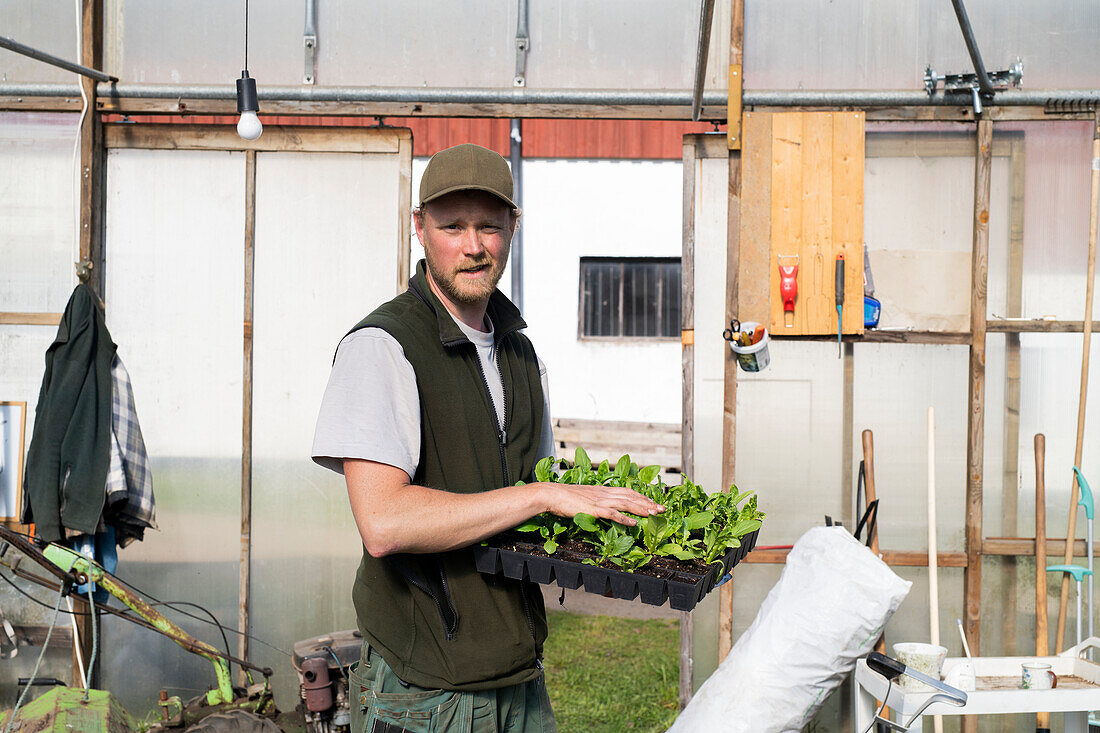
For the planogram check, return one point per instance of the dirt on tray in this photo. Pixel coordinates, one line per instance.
(662, 568)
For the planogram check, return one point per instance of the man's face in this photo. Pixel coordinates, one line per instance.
(466, 237)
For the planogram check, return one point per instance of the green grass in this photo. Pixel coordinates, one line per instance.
(608, 674)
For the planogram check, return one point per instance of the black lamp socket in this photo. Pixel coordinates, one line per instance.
(247, 101)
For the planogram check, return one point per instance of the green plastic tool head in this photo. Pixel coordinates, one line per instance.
(1076, 571)
(1085, 499)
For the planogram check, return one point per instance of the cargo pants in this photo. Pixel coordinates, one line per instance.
(382, 703)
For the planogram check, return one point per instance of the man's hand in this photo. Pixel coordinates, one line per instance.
(605, 502)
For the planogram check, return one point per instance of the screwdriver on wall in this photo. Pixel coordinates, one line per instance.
(839, 300)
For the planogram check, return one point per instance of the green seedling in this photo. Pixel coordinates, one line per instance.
(549, 527)
(694, 526)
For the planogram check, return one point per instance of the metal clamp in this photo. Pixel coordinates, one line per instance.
(523, 45)
(309, 44)
(1001, 80)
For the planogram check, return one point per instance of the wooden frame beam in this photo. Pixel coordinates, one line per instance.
(1014, 286)
(245, 566)
(687, 361)
(30, 319)
(732, 300)
(276, 138)
(893, 558)
(975, 451)
(93, 184)
(711, 113)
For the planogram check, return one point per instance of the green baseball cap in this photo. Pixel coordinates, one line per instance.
(464, 167)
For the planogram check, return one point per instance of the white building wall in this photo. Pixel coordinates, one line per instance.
(575, 208)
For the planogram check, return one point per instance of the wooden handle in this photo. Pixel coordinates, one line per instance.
(1042, 720)
(869, 478)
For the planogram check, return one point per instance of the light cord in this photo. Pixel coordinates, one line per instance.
(80, 126)
(37, 664)
(246, 35)
(95, 641)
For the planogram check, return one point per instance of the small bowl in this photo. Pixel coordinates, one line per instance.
(924, 658)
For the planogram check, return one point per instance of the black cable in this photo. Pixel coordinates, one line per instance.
(246, 34)
(154, 602)
(10, 582)
(230, 629)
(173, 604)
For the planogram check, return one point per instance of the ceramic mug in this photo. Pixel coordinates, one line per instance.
(1037, 676)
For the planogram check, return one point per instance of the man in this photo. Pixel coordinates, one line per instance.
(435, 409)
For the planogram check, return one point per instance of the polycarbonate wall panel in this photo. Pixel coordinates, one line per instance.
(38, 211)
(918, 191)
(45, 25)
(175, 254)
(621, 44)
(22, 360)
(36, 275)
(1054, 164)
(202, 42)
(326, 255)
(849, 44)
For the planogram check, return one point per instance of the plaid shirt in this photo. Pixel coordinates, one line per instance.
(130, 503)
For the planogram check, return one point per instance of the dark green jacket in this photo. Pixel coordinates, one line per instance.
(65, 482)
(436, 621)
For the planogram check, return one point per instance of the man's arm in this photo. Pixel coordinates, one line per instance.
(395, 515)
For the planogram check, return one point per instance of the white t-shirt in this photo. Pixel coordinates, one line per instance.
(371, 406)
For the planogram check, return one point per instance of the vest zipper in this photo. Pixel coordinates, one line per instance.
(448, 629)
(502, 441)
(502, 435)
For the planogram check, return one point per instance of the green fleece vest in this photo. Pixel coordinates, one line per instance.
(436, 621)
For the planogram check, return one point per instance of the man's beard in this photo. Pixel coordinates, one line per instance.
(466, 292)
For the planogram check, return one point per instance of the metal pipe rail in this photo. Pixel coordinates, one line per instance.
(592, 97)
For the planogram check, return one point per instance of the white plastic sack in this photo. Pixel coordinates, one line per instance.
(828, 608)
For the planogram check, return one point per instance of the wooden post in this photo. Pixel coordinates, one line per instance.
(1085, 352)
(733, 265)
(975, 447)
(92, 155)
(404, 213)
(1042, 720)
(246, 421)
(92, 185)
(847, 439)
(687, 358)
(1014, 309)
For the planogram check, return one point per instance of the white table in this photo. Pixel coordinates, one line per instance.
(1079, 695)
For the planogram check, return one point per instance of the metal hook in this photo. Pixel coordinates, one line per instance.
(84, 270)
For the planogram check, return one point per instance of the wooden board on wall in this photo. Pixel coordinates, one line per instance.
(756, 196)
(815, 214)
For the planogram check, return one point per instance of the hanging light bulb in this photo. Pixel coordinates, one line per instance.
(249, 126)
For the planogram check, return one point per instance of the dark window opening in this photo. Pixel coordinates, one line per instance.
(630, 297)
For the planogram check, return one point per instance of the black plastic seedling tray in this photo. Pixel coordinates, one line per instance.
(682, 591)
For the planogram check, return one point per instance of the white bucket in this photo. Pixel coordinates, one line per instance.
(752, 358)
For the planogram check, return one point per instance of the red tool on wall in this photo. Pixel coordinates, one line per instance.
(788, 287)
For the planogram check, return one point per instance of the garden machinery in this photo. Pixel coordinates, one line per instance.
(321, 663)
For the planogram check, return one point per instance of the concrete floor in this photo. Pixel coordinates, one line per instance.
(577, 601)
